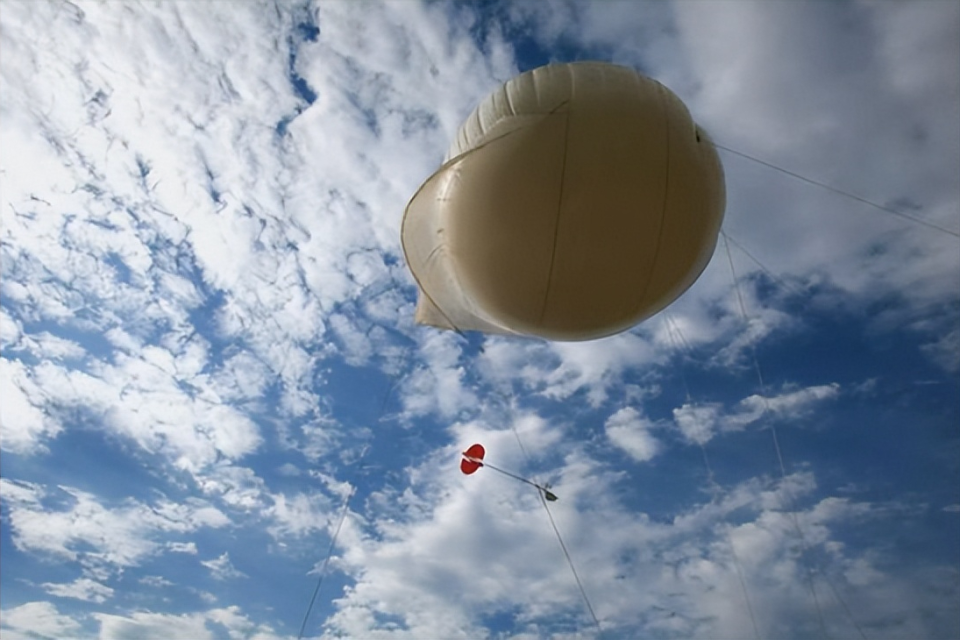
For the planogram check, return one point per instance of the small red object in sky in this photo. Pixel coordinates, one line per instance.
(471, 459)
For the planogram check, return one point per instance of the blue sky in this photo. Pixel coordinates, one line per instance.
(208, 344)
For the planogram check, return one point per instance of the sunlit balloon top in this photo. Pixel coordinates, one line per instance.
(576, 201)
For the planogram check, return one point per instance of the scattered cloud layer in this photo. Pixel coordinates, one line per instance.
(208, 348)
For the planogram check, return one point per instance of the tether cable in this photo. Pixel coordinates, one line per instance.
(773, 432)
(776, 445)
(573, 569)
(343, 513)
(326, 560)
(852, 196)
(715, 487)
(553, 524)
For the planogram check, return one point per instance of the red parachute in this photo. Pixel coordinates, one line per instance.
(473, 460)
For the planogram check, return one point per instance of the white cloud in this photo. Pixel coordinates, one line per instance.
(237, 487)
(81, 589)
(560, 370)
(641, 574)
(19, 492)
(155, 581)
(200, 625)
(770, 73)
(222, 569)
(183, 547)
(10, 330)
(440, 386)
(243, 377)
(147, 399)
(597, 365)
(298, 515)
(945, 351)
(37, 619)
(154, 626)
(211, 271)
(801, 400)
(630, 431)
(288, 469)
(190, 515)
(129, 263)
(102, 539)
(25, 425)
(48, 346)
(356, 343)
(697, 423)
(790, 405)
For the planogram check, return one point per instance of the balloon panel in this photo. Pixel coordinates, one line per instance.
(578, 200)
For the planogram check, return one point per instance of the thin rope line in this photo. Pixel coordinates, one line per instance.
(513, 428)
(717, 490)
(763, 267)
(733, 548)
(675, 343)
(504, 472)
(736, 283)
(573, 569)
(743, 584)
(846, 609)
(526, 456)
(563, 546)
(343, 512)
(688, 350)
(326, 560)
(776, 443)
(773, 431)
(823, 185)
(383, 405)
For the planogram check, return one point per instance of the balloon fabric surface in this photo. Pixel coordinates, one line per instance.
(577, 200)
(688, 271)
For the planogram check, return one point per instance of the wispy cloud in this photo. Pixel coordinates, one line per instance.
(222, 569)
(80, 589)
(204, 297)
(103, 539)
(700, 422)
(630, 431)
(38, 618)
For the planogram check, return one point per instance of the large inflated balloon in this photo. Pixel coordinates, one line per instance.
(576, 201)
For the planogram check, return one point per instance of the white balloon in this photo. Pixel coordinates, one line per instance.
(576, 201)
